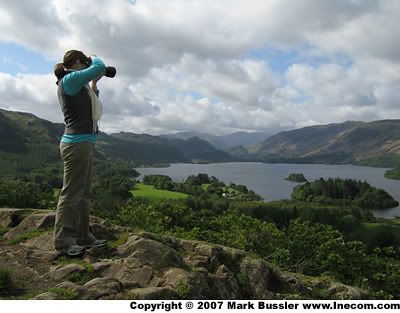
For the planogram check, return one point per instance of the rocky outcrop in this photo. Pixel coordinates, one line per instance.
(10, 217)
(31, 223)
(144, 266)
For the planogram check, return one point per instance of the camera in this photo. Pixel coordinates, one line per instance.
(110, 70)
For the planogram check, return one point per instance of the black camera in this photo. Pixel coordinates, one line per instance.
(110, 70)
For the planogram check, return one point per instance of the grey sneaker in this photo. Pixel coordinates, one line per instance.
(97, 243)
(73, 250)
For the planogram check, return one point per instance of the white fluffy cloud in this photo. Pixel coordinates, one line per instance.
(187, 65)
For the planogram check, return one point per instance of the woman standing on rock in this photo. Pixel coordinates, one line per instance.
(82, 109)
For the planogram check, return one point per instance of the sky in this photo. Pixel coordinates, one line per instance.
(210, 66)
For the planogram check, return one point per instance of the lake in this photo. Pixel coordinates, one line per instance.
(268, 180)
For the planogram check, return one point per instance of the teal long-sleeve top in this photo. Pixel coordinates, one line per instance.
(72, 84)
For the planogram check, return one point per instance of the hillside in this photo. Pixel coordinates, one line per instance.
(29, 128)
(192, 149)
(224, 142)
(200, 150)
(28, 142)
(136, 147)
(373, 143)
(141, 265)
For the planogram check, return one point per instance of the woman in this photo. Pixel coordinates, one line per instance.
(78, 102)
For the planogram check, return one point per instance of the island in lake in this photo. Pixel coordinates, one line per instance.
(298, 178)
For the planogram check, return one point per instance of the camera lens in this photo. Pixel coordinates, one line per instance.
(110, 71)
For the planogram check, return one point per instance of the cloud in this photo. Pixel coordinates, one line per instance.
(30, 93)
(185, 65)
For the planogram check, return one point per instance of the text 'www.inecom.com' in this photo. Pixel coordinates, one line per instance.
(264, 305)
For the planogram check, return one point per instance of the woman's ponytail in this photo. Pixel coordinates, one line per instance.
(59, 71)
(70, 57)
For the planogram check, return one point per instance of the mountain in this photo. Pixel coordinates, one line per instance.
(223, 142)
(349, 142)
(136, 147)
(212, 139)
(26, 128)
(27, 142)
(245, 139)
(179, 150)
(200, 150)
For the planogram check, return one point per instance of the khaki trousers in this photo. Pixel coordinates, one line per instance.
(73, 209)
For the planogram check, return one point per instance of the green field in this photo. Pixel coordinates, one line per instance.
(56, 193)
(149, 192)
(375, 225)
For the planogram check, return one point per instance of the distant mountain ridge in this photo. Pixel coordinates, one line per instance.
(193, 149)
(25, 133)
(367, 143)
(340, 143)
(224, 142)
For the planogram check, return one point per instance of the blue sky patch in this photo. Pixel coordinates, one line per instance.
(16, 59)
(280, 59)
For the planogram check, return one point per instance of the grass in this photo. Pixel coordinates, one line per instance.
(28, 235)
(6, 281)
(182, 289)
(81, 278)
(122, 239)
(78, 278)
(396, 221)
(56, 193)
(3, 230)
(371, 226)
(65, 294)
(151, 193)
(64, 260)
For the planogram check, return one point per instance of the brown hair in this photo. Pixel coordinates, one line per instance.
(70, 57)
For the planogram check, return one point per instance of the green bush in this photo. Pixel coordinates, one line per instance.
(6, 282)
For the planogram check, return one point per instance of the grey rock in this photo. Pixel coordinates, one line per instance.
(101, 232)
(197, 261)
(295, 285)
(150, 293)
(43, 242)
(150, 252)
(202, 255)
(46, 296)
(45, 256)
(10, 217)
(102, 287)
(67, 285)
(340, 291)
(188, 245)
(155, 281)
(128, 269)
(100, 266)
(31, 222)
(61, 271)
(126, 284)
(257, 277)
(188, 285)
(224, 283)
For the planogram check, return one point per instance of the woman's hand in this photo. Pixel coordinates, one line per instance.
(96, 79)
(94, 82)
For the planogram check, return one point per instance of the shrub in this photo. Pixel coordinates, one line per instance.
(6, 281)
